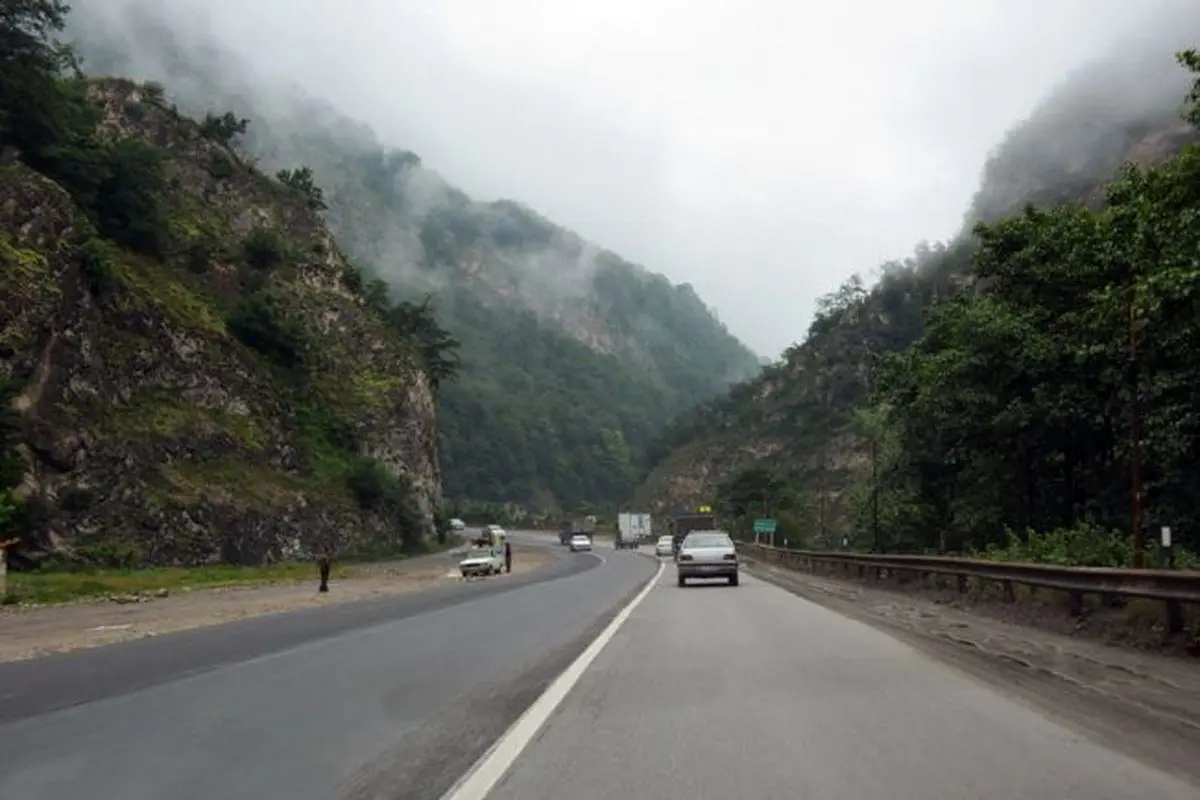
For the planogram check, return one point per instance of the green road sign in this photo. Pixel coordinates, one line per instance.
(764, 526)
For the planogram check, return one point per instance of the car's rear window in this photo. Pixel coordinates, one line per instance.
(707, 540)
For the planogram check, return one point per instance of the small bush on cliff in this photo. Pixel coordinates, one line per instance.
(260, 323)
(263, 248)
(97, 262)
(377, 488)
(223, 128)
(301, 180)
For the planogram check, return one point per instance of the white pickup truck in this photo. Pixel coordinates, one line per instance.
(482, 561)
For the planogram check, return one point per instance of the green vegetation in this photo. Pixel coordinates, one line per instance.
(1002, 420)
(51, 586)
(570, 360)
(144, 254)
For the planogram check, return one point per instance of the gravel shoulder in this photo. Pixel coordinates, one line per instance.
(30, 632)
(1144, 703)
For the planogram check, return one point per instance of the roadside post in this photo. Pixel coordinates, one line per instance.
(4, 567)
(1174, 607)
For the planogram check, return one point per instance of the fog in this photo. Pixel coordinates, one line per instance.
(761, 150)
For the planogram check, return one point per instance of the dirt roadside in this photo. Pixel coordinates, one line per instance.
(1141, 703)
(30, 632)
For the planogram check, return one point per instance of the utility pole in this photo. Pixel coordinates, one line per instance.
(1135, 432)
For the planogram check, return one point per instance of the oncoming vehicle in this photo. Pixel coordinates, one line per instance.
(481, 561)
(580, 542)
(707, 554)
(664, 546)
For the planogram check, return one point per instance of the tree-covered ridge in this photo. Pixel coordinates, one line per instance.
(994, 394)
(571, 357)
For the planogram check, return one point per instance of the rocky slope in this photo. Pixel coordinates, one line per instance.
(805, 417)
(216, 389)
(572, 358)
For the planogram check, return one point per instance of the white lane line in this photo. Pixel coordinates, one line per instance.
(490, 768)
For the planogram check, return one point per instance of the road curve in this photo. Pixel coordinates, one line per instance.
(382, 699)
(717, 692)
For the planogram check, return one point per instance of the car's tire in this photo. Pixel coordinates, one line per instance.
(682, 581)
(733, 580)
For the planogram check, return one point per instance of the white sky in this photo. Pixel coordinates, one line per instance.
(762, 150)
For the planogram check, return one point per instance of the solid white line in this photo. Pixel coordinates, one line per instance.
(491, 767)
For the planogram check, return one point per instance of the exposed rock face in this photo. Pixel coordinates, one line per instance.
(149, 431)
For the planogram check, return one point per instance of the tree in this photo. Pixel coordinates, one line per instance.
(438, 349)
(223, 128)
(301, 179)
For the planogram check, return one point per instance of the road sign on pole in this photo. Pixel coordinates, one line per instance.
(764, 526)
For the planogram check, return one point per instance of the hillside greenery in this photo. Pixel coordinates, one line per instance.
(571, 359)
(993, 395)
(124, 186)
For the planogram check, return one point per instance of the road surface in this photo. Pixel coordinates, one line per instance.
(750, 692)
(385, 699)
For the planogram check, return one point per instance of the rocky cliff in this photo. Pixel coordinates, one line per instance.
(220, 389)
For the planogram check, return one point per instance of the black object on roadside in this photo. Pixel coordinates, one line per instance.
(323, 564)
(508, 557)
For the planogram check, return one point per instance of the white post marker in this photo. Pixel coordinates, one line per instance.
(492, 766)
(1166, 536)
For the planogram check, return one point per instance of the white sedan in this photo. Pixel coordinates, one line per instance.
(580, 542)
(665, 546)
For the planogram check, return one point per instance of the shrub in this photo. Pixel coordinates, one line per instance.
(224, 128)
(129, 205)
(263, 248)
(260, 323)
(96, 261)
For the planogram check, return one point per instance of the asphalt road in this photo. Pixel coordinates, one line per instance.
(383, 699)
(751, 692)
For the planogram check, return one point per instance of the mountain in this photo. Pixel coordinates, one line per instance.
(981, 386)
(571, 358)
(190, 369)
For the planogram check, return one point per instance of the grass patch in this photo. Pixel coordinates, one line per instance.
(154, 284)
(160, 414)
(247, 487)
(21, 267)
(374, 389)
(65, 586)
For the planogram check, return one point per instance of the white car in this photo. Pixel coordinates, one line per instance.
(580, 542)
(481, 561)
(665, 546)
(457, 525)
(707, 554)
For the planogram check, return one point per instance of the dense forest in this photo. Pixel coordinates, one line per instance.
(570, 358)
(1006, 394)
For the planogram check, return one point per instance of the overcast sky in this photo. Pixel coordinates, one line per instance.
(762, 150)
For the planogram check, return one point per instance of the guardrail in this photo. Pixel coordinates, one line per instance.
(1173, 587)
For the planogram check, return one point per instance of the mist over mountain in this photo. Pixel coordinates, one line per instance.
(572, 358)
(934, 368)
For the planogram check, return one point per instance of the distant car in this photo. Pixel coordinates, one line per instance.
(490, 529)
(580, 542)
(457, 525)
(481, 561)
(707, 554)
(665, 546)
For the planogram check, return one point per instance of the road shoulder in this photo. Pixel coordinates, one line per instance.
(1144, 704)
(32, 632)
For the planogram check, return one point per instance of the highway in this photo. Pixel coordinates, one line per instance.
(383, 699)
(586, 679)
(750, 692)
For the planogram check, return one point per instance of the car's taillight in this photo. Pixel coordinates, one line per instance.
(685, 557)
(731, 556)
